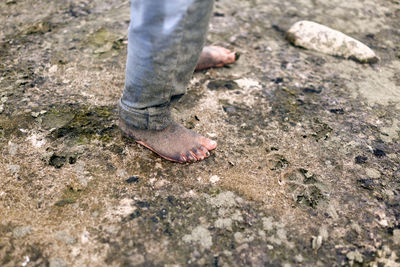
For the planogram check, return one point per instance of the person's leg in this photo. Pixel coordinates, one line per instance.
(157, 70)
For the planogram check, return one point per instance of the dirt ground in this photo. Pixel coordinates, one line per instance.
(307, 172)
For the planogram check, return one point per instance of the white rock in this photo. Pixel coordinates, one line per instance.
(57, 262)
(214, 179)
(316, 242)
(26, 261)
(201, 235)
(223, 223)
(12, 148)
(268, 224)
(223, 200)
(53, 69)
(36, 140)
(396, 236)
(21, 231)
(14, 168)
(65, 237)
(314, 36)
(355, 256)
(373, 173)
(85, 237)
(247, 83)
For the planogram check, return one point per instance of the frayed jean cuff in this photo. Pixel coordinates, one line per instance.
(153, 118)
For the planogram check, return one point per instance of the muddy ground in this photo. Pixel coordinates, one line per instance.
(306, 172)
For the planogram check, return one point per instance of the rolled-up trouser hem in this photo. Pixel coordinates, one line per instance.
(152, 118)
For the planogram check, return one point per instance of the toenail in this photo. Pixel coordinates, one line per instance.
(183, 158)
(237, 55)
(191, 157)
(207, 154)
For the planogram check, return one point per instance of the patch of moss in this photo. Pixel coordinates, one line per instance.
(83, 124)
(70, 196)
(10, 125)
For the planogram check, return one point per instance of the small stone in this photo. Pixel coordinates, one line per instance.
(281, 233)
(243, 237)
(26, 261)
(373, 173)
(237, 216)
(104, 49)
(396, 236)
(268, 224)
(214, 179)
(360, 159)
(12, 148)
(356, 227)
(14, 169)
(277, 162)
(1, 108)
(122, 173)
(78, 183)
(323, 232)
(355, 256)
(132, 179)
(160, 183)
(66, 238)
(137, 259)
(299, 258)
(239, 237)
(57, 161)
(314, 36)
(21, 82)
(36, 140)
(242, 247)
(316, 242)
(21, 231)
(158, 165)
(247, 83)
(57, 262)
(223, 223)
(367, 183)
(53, 69)
(35, 114)
(262, 234)
(224, 199)
(379, 153)
(201, 235)
(85, 237)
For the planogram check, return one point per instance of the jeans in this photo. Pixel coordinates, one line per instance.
(165, 41)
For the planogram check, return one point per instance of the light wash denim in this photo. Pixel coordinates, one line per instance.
(165, 40)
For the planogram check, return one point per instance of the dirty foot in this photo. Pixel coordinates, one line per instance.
(215, 56)
(174, 143)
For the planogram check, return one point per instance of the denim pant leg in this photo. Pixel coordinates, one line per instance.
(165, 40)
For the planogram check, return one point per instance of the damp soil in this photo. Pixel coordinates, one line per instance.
(307, 171)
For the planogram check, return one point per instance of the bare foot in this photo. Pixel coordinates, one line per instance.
(174, 143)
(216, 56)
